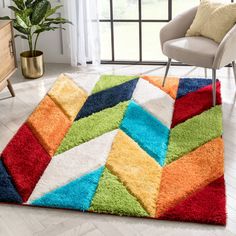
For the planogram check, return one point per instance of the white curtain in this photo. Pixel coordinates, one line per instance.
(84, 33)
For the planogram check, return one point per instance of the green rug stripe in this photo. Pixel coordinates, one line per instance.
(109, 81)
(93, 126)
(112, 197)
(193, 133)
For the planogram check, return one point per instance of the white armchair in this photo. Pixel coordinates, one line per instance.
(197, 51)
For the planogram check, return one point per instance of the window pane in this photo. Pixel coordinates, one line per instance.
(105, 31)
(151, 42)
(104, 9)
(126, 38)
(179, 7)
(155, 9)
(125, 9)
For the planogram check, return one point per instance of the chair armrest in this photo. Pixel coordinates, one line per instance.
(226, 52)
(177, 27)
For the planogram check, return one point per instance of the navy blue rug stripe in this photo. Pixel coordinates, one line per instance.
(8, 192)
(188, 85)
(107, 98)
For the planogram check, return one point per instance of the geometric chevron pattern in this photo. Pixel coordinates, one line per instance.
(131, 147)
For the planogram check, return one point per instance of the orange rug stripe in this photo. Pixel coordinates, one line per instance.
(188, 174)
(49, 124)
(171, 85)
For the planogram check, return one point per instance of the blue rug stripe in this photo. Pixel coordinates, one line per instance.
(188, 85)
(8, 192)
(78, 194)
(107, 98)
(147, 131)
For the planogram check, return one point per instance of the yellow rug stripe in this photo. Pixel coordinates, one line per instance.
(140, 173)
(66, 93)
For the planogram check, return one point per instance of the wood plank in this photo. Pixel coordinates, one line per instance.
(3, 23)
(7, 58)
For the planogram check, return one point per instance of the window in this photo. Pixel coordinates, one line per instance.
(130, 28)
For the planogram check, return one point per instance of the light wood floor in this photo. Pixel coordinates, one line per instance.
(24, 221)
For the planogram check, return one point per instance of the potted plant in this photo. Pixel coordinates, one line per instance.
(33, 17)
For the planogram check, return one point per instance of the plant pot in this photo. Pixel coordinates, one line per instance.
(32, 66)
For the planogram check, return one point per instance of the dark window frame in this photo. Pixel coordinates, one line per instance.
(111, 20)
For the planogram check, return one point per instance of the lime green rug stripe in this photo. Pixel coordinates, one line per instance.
(194, 132)
(93, 126)
(109, 81)
(112, 197)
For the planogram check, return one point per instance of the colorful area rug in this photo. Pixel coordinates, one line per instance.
(124, 146)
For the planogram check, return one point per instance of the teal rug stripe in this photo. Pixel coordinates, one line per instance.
(147, 131)
(78, 194)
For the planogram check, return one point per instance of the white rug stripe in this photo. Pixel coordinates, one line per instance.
(73, 164)
(87, 83)
(154, 100)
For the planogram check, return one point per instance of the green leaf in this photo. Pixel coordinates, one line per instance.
(38, 31)
(28, 3)
(14, 9)
(19, 28)
(44, 25)
(58, 20)
(21, 21)
(27, 12)
(33, 4)
(39, 12)
(5, 18)
(49, 7)
(21, 36)
(20, 4)
(52, 11)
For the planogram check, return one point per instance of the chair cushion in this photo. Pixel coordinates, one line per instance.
(196, 51)
(213, 20)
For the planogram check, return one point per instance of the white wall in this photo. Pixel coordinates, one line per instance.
(55, 44)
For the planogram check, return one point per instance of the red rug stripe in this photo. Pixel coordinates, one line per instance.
(25, 160)
(200, 100)
(204, 206)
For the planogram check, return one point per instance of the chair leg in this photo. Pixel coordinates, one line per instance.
(214, 86)
(234, 70)
(167, 70)
(10, 88)
(205, 72)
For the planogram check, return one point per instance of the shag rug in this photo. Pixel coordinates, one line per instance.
(121, 145)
